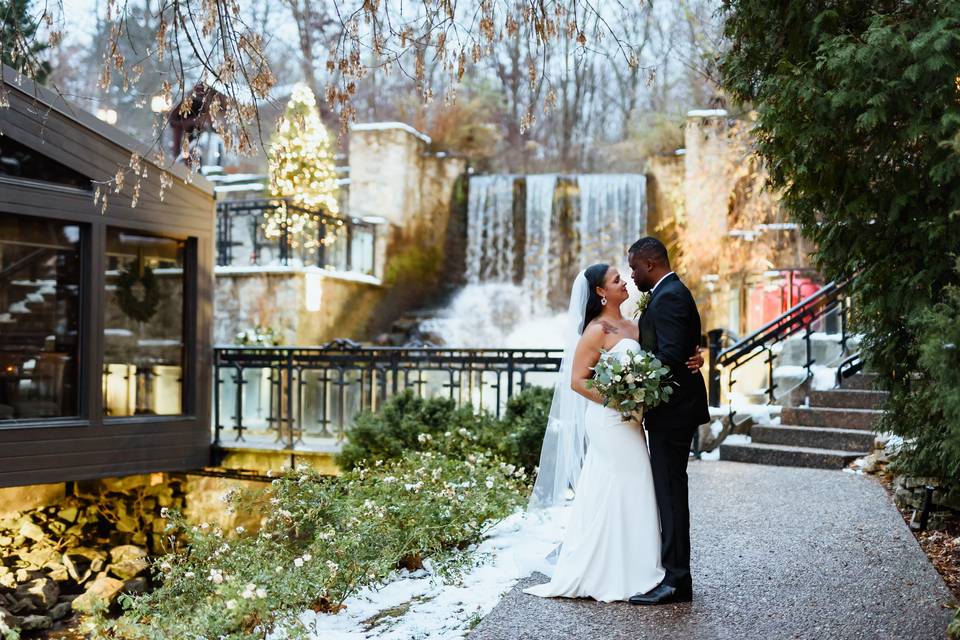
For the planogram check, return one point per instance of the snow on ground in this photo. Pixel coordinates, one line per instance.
(418, 606)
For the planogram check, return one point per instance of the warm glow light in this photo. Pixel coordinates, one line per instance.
(160, 104)
(107, 115)
(313, 284)
(301, 166)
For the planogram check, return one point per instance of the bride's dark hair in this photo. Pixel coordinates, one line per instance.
(594, 275)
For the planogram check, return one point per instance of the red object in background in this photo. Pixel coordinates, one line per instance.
(766, 304)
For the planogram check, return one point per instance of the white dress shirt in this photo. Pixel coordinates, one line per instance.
(659, 281)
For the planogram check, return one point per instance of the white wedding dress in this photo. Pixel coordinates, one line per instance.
(611, 548)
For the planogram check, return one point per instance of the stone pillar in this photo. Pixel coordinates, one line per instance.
(707, 160)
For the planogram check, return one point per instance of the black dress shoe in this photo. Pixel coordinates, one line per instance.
(663, 594)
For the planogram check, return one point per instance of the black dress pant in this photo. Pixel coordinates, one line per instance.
(669, 452)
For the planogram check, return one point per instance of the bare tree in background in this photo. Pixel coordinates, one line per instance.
(573, 73)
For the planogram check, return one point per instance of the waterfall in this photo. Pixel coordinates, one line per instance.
(566, 223)
(612, 216)
(490, 230)
(541, 261)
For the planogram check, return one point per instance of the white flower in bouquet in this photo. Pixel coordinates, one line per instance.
(631, 382)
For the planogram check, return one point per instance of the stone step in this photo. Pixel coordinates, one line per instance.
(852, 440)
(863, 381)
(863, 419)
(786, 456)
(848, 399)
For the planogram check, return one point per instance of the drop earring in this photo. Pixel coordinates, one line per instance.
(603, 301)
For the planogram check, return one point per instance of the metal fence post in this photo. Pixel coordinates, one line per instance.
(714, 344)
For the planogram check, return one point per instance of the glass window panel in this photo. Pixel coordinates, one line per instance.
(20, 161)
(39, 317)
(143, 330)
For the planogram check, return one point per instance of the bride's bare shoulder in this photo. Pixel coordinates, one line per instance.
(594, 332)
(597, 332)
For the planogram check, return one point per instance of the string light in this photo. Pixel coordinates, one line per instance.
(302, 167)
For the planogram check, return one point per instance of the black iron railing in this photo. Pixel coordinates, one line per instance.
(849, 367)
(298, 236)
(826, 312)
(292, 397)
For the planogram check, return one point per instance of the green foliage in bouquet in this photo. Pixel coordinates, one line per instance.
(637, 381)
(859, 124)
(321, 540)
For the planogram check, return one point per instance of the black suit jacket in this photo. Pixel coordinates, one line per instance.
(670, 329)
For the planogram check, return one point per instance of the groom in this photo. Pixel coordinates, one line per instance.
(670, 329)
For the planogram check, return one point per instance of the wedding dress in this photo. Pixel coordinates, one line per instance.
(611, 548)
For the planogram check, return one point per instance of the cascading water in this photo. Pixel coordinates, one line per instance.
(566, 224)
(612, 215)
(491, 240)
(540, 263)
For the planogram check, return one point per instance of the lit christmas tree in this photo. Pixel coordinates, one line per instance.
(301, 165)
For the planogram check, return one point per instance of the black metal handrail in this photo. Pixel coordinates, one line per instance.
(850, 366)
(316, 391)
(833, 297)
(312, 244)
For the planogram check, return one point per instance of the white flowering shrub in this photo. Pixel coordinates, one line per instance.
(321, 540)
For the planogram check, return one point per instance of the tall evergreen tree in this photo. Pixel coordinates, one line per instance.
(301, 162)
(19, 47)
(859, 120)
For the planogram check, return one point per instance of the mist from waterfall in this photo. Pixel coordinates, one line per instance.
(521, 261)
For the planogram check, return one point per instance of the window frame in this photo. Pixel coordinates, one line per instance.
(91, 323)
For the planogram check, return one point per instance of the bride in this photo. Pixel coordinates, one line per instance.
(611, 549)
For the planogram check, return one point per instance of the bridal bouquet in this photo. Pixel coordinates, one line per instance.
(630, 382)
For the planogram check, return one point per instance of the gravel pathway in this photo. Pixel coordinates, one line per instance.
(778, 552)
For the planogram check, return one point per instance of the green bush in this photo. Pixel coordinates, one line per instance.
(928, 416)
(321, 540)
(517, 438)
(859, 124)
(410, 423)
(400, 426)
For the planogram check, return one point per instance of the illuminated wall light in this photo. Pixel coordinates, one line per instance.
(313, 284)
(107, 115)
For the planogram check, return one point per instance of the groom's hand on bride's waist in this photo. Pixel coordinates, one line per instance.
(695, 362)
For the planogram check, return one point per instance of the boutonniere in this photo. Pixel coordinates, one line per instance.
(642, 303)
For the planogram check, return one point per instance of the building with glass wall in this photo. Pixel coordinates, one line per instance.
(105, 311)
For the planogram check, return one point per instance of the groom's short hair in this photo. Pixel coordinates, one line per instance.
(649, 248)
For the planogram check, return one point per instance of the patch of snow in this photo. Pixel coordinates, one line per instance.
(419, 605)
(706, 113)
(716, 428)
(231, 188)
(824, 378)
(894, 444)
(738, 438)
(352, 276)
(379, 126)
(711, 456)
(762, 414)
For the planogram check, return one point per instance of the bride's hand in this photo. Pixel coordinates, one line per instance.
(696, 361)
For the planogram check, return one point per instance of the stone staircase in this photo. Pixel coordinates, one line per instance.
(835, 428)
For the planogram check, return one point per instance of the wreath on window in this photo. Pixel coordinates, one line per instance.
(138, 292)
